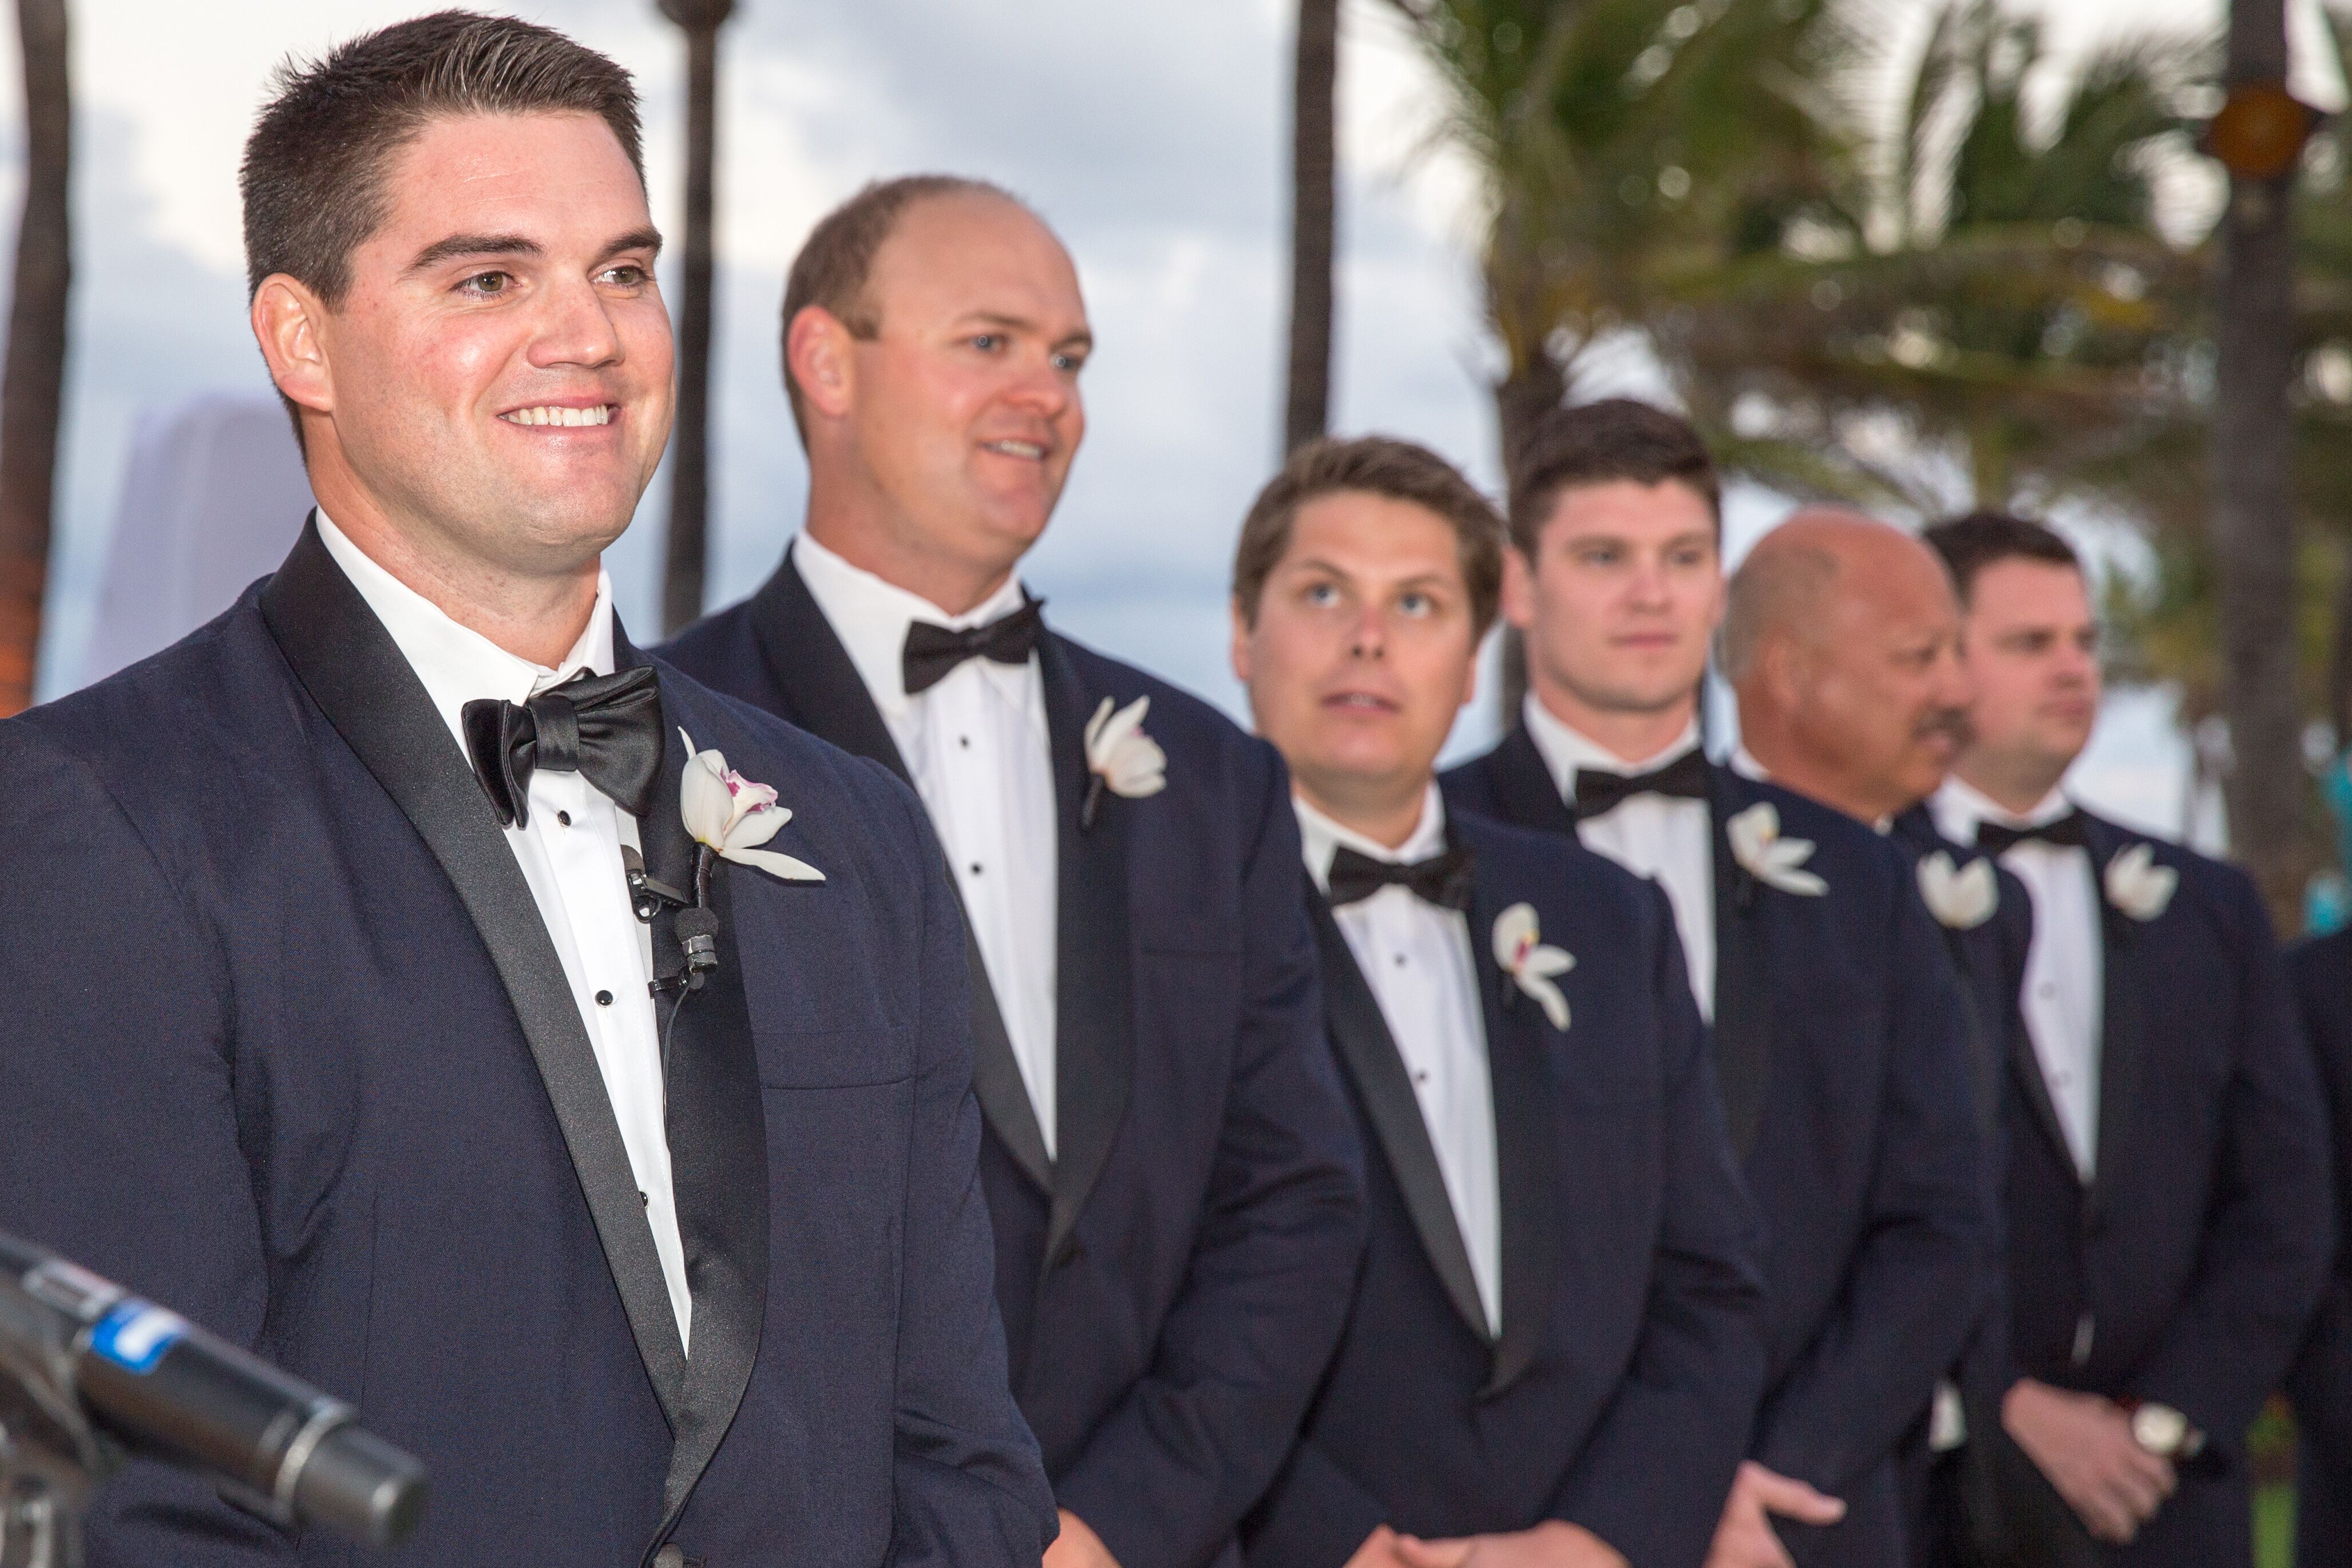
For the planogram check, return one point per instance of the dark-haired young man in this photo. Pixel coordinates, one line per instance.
(1837, 1026)
(1552, 1353)
(1169, 1163)
(653, 1229)
(2169, 1210)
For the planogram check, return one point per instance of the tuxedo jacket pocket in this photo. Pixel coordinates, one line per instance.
(835, 1058)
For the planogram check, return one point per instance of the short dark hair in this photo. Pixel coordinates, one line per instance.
(1597, 444)
(1381, 466)
(313, 177)
(836, 261)
(1969, 545)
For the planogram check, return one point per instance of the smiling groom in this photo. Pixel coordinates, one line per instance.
(413, 1002)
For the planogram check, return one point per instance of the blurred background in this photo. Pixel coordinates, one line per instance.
(2086, 259)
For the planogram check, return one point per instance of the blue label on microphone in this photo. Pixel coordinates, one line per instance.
(135, 1335)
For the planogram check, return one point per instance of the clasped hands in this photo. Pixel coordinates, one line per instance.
(2083, 1446)
(1551, 1544)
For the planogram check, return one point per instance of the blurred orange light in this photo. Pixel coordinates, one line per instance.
(2260, 131)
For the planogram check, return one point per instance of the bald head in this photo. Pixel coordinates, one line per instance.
(1841, 636)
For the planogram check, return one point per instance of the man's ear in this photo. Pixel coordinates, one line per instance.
(1519, 588)
(1241, 648)
(816, 353)
(1784, 666)
(288, 320)
(1470, 679)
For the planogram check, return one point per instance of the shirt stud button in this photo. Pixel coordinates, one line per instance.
(975, 867)
(564, 817)
(604, 998)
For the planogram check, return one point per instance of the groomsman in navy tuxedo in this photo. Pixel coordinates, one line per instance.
(2321, 1382)
(1169, 1166)
(394, 989)
(1839, 1035)
(1873, 734)
(2169, 1219)
(1553, 1352)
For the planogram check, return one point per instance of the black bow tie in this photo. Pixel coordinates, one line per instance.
(1997, 839)
(1445, 879)
(605, 727)
(1685, 776)
(932, 653)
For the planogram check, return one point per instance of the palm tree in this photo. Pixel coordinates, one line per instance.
(1314, 196)
(687, 544)
(32, 381)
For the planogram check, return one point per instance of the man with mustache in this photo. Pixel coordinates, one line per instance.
(1873, 731)
(1169, 1166)
(2169, 1214)
(393, 998)
(1837, 1020)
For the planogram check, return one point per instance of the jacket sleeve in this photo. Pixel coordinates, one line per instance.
(1652, 1478)
(971, 1491)
(2269, 1223)
(2321, 1382)
(1315, 1516)
(1917, 1280)
(1166, 1477)
(119, 1129)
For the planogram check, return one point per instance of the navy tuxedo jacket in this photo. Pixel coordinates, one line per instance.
(2321, 1382)
(1173, 1284)
(1840, 1050)
(290, 1050)
(1631, 1354)
(2185, 1272)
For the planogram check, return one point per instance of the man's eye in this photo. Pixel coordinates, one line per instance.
(988, 342)
(1322, 596)
(628, 275)
(1069, 364)
(1597, 555)
(489, 283)
(1416, 603)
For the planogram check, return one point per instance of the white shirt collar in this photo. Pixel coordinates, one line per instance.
(456, 663)
(1744, 763)
(870, 616)
(1958, 806)
(1319, 837)
(1565, 749)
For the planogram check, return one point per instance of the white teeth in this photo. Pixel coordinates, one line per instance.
(549, 414)
(1017, 449)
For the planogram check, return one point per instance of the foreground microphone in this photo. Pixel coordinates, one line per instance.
(167, 1389)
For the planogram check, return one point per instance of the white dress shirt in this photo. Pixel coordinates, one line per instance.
(571, 857)
(1417, 958)
(1666, 837)
(982, 759)
(2066, 966)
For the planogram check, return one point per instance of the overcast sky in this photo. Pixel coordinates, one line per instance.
(1152, 134)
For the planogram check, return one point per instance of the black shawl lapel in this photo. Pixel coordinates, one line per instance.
(807, 662)
(717, 1128)
(360, 682)
(1094, 992)
(1525, 792)
(1527, 1127)
(1743, 957)
(1915, 831)
(2123, 1036)
(1361, 1032)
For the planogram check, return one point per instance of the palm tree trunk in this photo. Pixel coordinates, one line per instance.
(2252, 521)
(32, 381)
(687, 544)
(1521, 400)
(1314, 157)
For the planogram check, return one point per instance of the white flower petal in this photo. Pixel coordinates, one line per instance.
(1548, 997)
(1549, 961)
(1515, 932)
(703, 800)
(1095, 725)
(755, 828)
(775, 865)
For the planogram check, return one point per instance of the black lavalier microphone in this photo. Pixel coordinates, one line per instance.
(160, 1388)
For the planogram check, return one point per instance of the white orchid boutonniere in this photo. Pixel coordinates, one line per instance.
(730, 817)
(1121, 757)
(1520, 949)
(1962, 897)
(1763, 854)
(2137, 885)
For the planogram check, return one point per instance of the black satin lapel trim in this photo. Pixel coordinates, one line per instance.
(1524, 788)
(1527, 1160)
(1360, 1033)
(2123, 1025)
(829, 700)
(810, 665)
(1094, 993)
(1743, 1006)
(356, 674)
(715, 1122)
